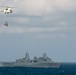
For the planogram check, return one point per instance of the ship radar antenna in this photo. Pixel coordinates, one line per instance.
(27, 56)
(44, 55)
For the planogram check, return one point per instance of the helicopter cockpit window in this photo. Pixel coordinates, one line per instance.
(6, 8)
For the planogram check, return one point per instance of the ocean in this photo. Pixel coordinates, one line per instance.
(65, 69)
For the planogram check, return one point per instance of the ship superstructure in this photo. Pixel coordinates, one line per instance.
(44, 62)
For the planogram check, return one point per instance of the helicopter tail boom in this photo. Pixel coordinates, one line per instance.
(1, 10)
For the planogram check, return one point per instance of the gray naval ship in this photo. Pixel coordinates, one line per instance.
(41, 62)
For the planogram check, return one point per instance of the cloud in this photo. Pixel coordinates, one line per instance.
(63, 23)
(38, 8)
(20, 20)
(30, 29)
(65, 5)
(34, 7)
(10, 30)
(41, 7)
(47, 36)
(42, 32)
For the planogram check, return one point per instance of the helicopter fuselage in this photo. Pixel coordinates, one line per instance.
(8, 11)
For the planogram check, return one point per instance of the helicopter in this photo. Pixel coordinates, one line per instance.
(7, 10)
(5, 24)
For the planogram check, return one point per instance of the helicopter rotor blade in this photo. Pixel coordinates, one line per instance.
(7, 6)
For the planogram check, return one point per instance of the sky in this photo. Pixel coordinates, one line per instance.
(37, 27)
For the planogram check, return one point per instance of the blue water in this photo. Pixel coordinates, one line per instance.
(65, 69)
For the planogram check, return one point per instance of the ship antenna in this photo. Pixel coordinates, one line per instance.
(27, 56)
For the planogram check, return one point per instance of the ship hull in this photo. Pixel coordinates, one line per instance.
(65, 69)
(39, 65)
